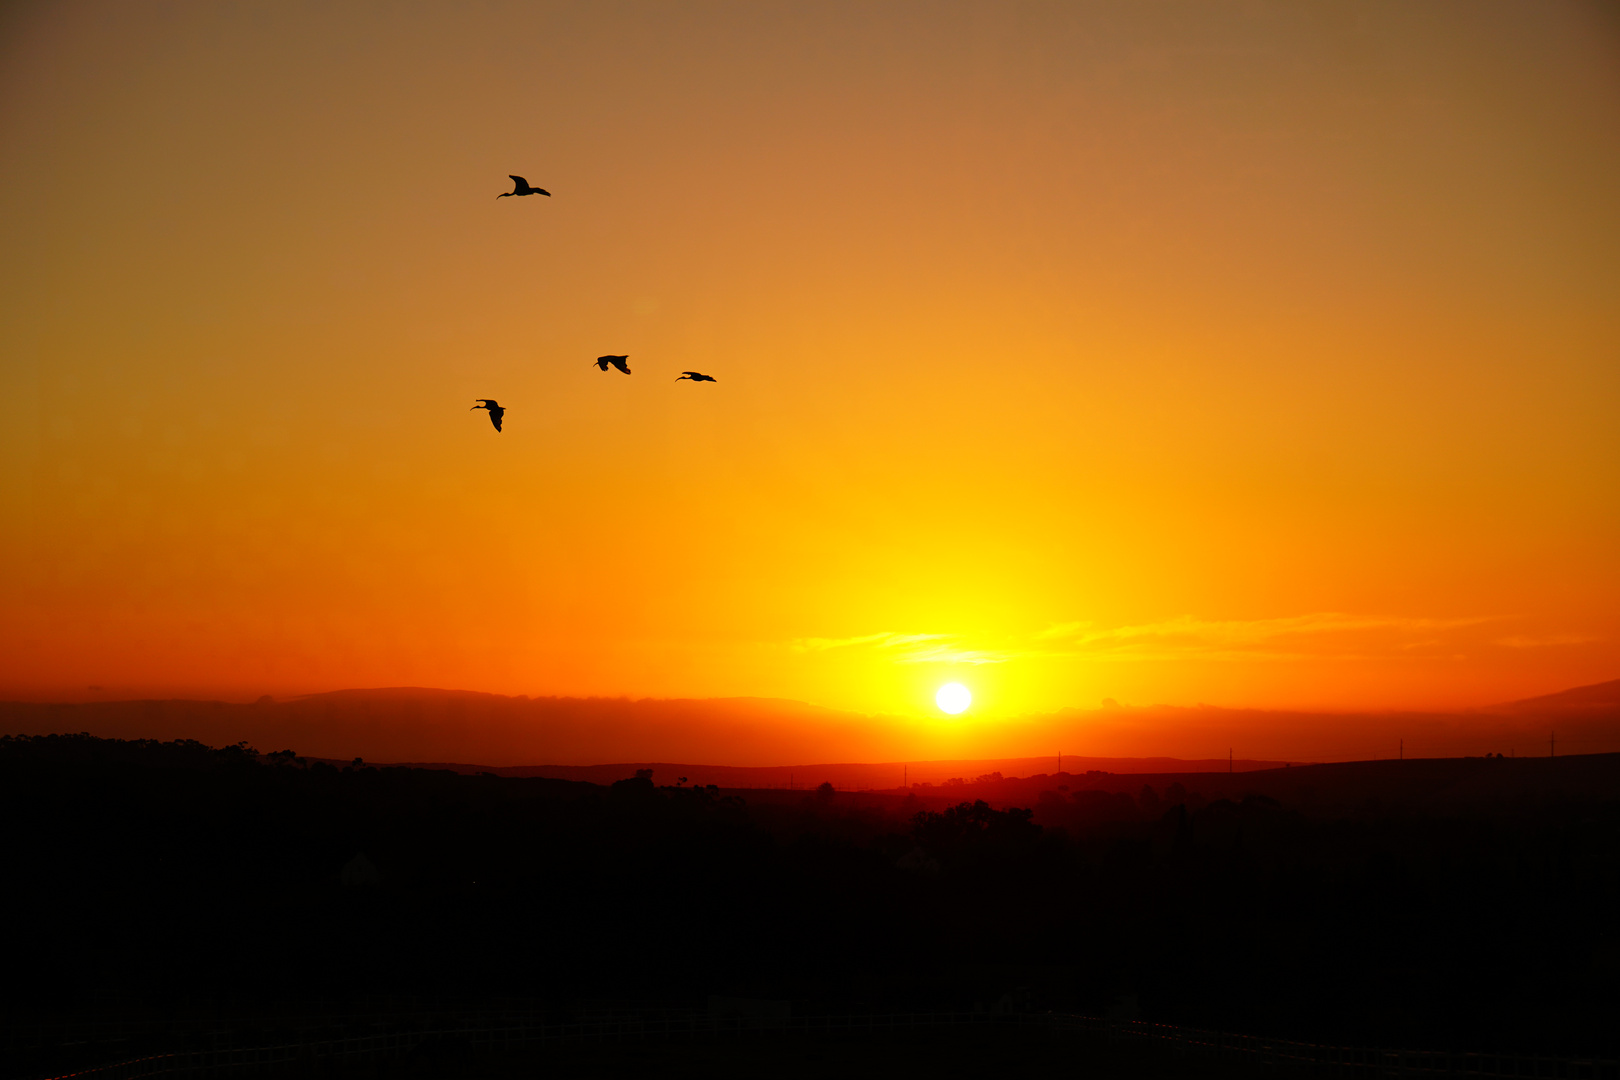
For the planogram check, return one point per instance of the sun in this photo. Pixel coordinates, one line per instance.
(953, 697)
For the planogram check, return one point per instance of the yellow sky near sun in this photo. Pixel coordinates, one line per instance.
(1255, 354)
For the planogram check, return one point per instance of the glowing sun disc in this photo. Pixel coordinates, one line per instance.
(953, 697)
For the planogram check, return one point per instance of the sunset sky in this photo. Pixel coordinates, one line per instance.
(1251, 354)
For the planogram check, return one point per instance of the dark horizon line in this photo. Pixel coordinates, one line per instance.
(1569, 695)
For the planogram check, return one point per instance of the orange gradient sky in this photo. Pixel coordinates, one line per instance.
(1252, 354)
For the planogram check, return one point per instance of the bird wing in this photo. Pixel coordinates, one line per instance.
(620, 362)
(495, 414)
(521, 183)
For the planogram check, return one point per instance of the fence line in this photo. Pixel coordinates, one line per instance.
(510, 1031)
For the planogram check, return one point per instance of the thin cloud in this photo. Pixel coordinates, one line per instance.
(1522, 642)
(1318, 635)
(1061, 630)
(1255, 630)
(1287, 638)
(821, 644)
(900, 640)
(909, 648)
(950, 654)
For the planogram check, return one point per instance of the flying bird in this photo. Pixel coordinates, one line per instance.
(522, 188)
(620, 362)
(696, 376)
(495, 410)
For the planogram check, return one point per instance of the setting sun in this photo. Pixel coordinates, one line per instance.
(1217, 267)
(953, 697)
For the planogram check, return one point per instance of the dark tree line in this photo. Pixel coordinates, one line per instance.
(142, 874)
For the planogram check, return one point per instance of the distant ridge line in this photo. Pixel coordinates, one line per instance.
(459, 729)
(866, 775)
(1595, 695)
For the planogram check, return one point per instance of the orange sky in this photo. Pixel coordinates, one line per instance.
(1252, 354)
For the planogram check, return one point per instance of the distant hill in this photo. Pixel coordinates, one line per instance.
(571, 737)
(1598, 695)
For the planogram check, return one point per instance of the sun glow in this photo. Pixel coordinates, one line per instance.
(953, 697)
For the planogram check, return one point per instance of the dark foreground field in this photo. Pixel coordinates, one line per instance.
(989, 1050)
(162, 894)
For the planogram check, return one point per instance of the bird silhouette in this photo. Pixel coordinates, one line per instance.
(522, 188)
(620, 362)
(696, 376)
(495, 410)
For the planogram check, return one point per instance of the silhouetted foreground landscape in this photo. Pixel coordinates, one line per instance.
(1463, 903)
